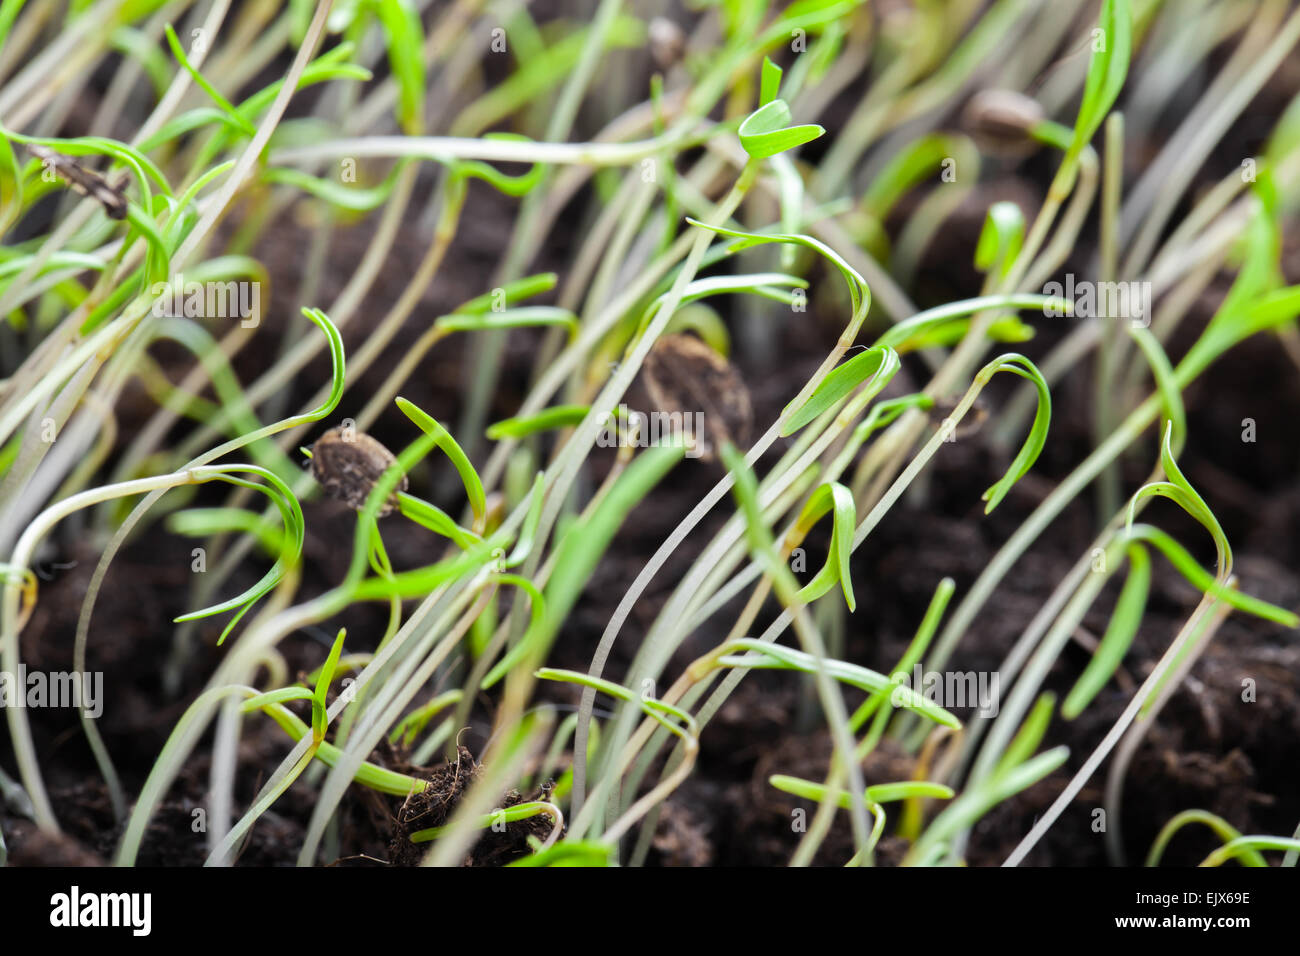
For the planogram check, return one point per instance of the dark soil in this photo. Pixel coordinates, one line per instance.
(1209, 748)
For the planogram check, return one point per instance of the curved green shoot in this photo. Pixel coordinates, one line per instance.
(511, 814)
(1171, 395)
(766, 284)
(1180, 490)
(778, 657)
(1029, 451)
(878, 365)
(1204, 581)
(503, 183)
(291, 516)
(901, 335)
(859, 292)
(442, 438)
(528, 645)
(876, 793)
(1222, 828)
(222, 103)
(683, 724)
(1247, 844)
(834, 497)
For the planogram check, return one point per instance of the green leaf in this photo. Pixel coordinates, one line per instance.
(204, 522)
(1222, 828)
(569, 853)
(557, 416)
(291, 516)
(368, 774)
(1121, 630)
(903, 335)
(510, 814)
(651, 706)
(275, 697)
(1106, 71)
(1204, 581)
(401, 22)
(345, 196)
(770, 85)
(409, 727)
(779, 657)
(1180, 490)
(435, 519)
(319, 716)
(967, 809)
(506, 295)
(1001, 238)
(877, 793)
(222, 103)
(1171, 395)
(1028, 737)
(442, 438)
(1033, 445)
(525, 317)
(836, 496)
(11, 186)
(877, 364)
(914, 164)
(528, 533)
(766, 131)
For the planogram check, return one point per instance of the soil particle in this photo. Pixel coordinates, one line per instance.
(435, 805)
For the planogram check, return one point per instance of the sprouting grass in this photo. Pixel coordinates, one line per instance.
(725, 180)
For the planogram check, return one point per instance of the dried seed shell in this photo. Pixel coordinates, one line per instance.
(347, 463)
(85, 181)
(1001, 122)
(685, 377)
(667, 42)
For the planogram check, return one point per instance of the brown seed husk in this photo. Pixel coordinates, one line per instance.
(1001, 122)
(347, 463)
(684, 375)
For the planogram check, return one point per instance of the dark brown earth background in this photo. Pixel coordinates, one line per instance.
(1207, 750)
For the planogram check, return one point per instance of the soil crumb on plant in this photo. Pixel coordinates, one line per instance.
(435, 805)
